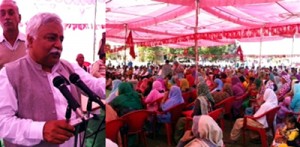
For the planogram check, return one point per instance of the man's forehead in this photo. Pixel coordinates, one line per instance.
(7, 6)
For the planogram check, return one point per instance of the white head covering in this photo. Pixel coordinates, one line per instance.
(205, 129)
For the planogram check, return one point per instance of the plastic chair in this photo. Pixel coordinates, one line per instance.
(186, 97)
(175, 112)
(217, 115)
(112, 129)
(227, 105)
(270, 116)
(135, 121)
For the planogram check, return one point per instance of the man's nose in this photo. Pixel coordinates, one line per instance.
(58, 44)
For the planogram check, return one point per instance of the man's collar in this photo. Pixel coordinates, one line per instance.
(20, 37)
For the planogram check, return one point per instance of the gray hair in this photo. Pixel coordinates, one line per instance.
(39, 20)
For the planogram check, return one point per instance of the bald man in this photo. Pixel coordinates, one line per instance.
(80, 61)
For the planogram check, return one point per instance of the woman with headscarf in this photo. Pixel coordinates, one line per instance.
(224, 93)
(190, 78)
(113, 94)
(271, 102)
(204, 102)
(156, 93)
(128, 100)
(295, 103)
(205, 133)
(238, 90)
(174, 98)
(285, 87)
(184, 85)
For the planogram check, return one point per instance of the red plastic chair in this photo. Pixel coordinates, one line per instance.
(175, 112)
(186, 97)
(135, 121)
(270, 116)
(217, 115)
(242, 97)
(227, 105)
(112, 129)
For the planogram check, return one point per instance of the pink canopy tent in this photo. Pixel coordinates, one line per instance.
(172, 22)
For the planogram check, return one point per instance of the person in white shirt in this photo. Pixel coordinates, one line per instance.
(270, 102)
(32, 110)
(12, 42)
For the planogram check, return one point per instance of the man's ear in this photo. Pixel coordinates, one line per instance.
(20, 18)
(29, 41)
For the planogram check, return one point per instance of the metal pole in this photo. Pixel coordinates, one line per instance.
(195, 35)
(260, 46)
(293, 46)
(94, 29)
(126, 29)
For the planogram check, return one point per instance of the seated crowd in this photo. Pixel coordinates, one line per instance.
(158, 89)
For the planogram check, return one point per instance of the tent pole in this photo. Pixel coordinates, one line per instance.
(260, 46)
(126, 29)
(94, 31)
(195, 35)
(293, 46)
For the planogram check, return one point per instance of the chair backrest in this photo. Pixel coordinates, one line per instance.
(112, 128)
(176, 112)
(135, 120)
(226, 104)
(270, 116)
(186, 97)
(216, 114)
(243, 97)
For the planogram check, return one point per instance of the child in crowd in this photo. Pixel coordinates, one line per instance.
(289, 134)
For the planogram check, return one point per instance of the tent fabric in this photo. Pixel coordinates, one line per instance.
(157, 21)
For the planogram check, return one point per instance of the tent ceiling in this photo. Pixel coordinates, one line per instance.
(162, 19)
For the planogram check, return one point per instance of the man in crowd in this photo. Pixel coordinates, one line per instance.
(166, 69)
(12, 42)
(32, 110)
(80, 61)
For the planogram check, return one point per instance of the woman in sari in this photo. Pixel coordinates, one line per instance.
(184, 85)
(156, 93)
(285, 87)
(128, 100)
(175, 98)
(295, 103)
(224, 93)
(114, 91)
(204, 102)
(271, 102)
(238, 90)
(205, 133)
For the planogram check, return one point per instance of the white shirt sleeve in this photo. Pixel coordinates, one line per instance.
(13, 129)
(97, 85)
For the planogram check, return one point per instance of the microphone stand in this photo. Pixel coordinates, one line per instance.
(68, 116)
(89, 109)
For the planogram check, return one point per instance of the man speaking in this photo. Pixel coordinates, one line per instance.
(32, 110)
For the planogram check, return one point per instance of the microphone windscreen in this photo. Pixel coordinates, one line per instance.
(57, 81)
(74, 78)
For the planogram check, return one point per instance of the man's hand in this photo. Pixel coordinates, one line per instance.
(57, 131)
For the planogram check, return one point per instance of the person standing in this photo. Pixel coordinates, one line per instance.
(32, 110)
(12, 42)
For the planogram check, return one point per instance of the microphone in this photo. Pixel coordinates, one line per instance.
(75, 79)
(60, 83)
